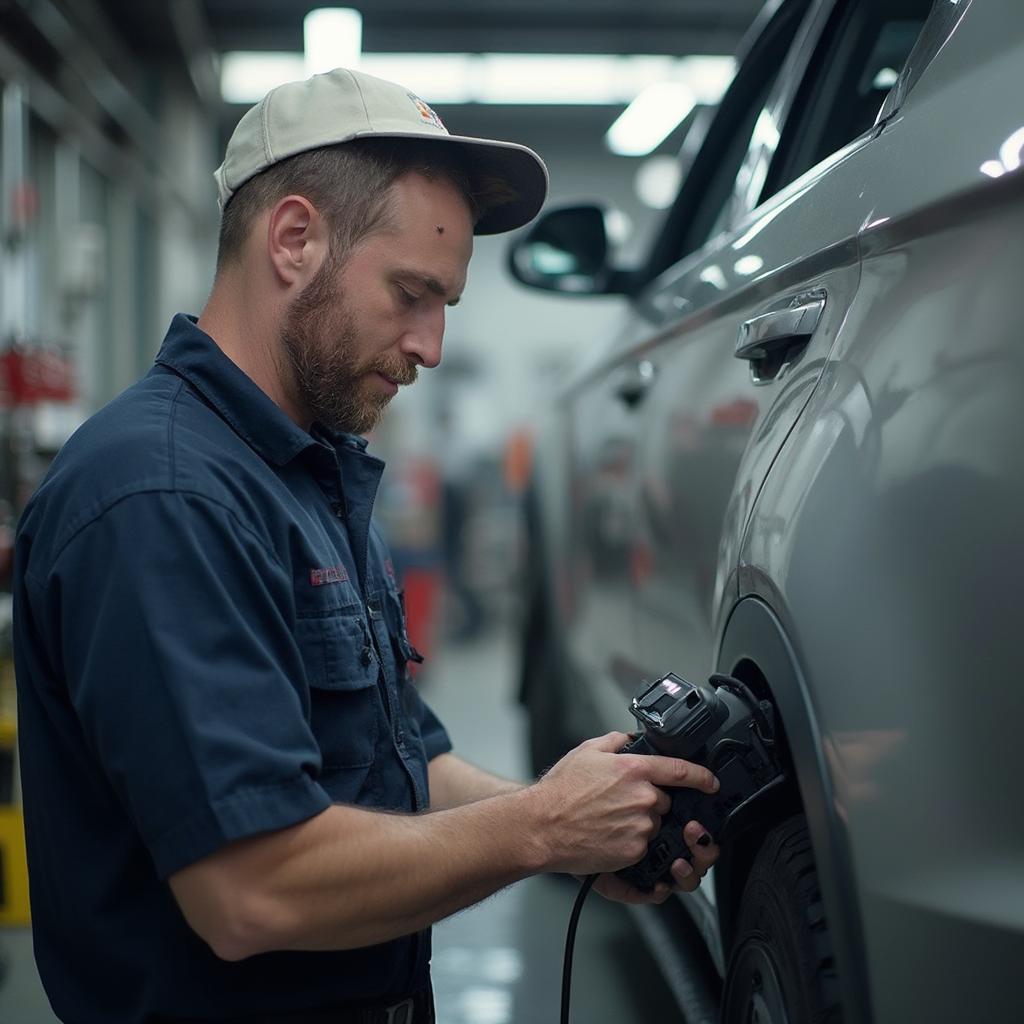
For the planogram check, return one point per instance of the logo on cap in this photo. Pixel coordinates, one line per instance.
(427, 116)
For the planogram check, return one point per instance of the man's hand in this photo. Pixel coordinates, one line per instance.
(602, 809)
(686, 877)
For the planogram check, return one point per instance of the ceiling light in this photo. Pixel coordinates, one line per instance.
(245, 76)
(657, 181)
(438, 77)
(650, 118)
(510, 78)
(549, 78)
(333, 38)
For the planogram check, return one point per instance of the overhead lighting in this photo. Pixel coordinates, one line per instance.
(333, 38)
(438, 77)
(657, 181)
(510, 78)
(245, 76)
(650, 118)
(549, 78)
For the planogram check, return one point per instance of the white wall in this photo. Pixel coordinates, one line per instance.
(522, 340)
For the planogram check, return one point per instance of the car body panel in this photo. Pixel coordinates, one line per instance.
(888, 533)
(908, 633)
(868, 504)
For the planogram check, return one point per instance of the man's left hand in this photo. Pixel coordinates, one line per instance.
(686, 876)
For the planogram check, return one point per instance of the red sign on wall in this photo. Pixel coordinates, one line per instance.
(28, 376)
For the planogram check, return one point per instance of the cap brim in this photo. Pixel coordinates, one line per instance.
(517, 167)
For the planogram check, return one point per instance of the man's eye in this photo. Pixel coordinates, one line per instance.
(406, 296)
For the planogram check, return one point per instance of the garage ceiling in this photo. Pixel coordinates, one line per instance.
(523, 26)
(105, 50)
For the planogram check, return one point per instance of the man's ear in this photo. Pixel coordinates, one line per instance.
(297, 240)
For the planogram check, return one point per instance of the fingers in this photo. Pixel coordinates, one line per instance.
(688, 875)
(611, 887)
(673, 771)
(611, 742)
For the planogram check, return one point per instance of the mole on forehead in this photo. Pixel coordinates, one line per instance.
(440, 228)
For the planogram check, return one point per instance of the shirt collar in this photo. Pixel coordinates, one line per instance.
(191, 353)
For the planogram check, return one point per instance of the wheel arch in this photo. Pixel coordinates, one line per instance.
(755, 648)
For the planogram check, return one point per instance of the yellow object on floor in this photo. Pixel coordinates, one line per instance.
(14, 908)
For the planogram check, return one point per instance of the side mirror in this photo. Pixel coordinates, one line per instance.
(566, 250)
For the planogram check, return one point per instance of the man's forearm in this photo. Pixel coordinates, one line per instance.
(350, 877)
(454, 782)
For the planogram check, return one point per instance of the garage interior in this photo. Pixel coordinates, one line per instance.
(114, 117)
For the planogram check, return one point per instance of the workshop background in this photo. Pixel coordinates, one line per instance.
(114, 115)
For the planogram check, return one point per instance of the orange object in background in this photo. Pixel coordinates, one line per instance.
(518, 459)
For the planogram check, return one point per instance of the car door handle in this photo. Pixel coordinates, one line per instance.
(636, 382)
(773, 341)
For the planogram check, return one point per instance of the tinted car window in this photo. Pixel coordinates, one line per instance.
(862, 51)
(707, 188)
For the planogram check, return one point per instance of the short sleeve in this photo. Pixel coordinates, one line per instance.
(174, 624)
(433, 733)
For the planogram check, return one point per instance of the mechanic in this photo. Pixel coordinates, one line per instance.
(238, 808)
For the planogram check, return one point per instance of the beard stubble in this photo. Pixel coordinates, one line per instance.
(320, 339)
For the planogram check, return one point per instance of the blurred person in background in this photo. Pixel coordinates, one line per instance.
(458, 461)
(226, 769)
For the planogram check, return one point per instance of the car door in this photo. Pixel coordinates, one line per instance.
(759, 307)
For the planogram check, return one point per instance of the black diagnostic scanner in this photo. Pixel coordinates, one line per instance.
(723, 726)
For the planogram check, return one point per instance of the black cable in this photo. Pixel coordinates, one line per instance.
(570, 941)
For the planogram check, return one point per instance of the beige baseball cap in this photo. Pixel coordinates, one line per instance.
(342, 105)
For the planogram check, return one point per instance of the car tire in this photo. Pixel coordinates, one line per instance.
(781, 970)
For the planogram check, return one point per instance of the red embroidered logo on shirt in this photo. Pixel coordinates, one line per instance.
(331, 574)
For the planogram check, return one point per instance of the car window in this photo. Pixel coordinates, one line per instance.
(863, 49)
(708, 186)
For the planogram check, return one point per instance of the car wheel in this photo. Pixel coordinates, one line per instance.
(781, 970)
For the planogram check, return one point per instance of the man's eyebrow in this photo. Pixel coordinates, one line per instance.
(432, 284)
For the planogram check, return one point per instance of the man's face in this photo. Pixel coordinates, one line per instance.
(361, 329)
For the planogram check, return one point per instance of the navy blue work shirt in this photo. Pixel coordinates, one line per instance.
(209, 644)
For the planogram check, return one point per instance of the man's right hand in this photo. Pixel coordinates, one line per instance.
(601, 808)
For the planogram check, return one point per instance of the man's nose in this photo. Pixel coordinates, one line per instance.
(423, 343)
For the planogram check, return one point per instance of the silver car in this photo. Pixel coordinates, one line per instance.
(798, 462)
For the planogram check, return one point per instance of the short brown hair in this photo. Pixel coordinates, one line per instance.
(349, 185)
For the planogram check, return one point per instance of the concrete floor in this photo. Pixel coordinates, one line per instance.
(500, 962)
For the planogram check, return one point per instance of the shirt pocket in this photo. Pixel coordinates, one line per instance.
(341, 669)
(398, 629)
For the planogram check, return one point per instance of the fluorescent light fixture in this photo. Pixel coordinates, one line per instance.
(650, 118)
(708, 77)
(245, 76)
(333, 38)
(438, 77)
(993, 168)
(510, 78)
(544, 78)
(657, 181)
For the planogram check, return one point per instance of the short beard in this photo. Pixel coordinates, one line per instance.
(319, 338)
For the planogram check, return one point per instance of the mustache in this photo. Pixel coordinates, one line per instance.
(399, 370)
